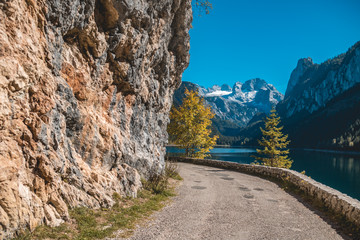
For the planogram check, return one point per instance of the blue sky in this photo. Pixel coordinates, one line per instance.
(244, 39)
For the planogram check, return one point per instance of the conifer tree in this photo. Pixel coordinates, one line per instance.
(189, 126)
(274, 143)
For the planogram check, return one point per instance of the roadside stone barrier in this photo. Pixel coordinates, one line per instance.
(332, 199)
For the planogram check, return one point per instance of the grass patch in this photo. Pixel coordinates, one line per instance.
(121, 219)
(172, 171)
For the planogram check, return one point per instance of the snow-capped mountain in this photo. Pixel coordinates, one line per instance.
(243, 101)
(239, 103)
(321, 108)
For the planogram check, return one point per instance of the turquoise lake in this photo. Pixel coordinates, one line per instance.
(338, 170)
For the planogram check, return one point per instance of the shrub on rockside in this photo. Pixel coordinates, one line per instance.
(159, 183)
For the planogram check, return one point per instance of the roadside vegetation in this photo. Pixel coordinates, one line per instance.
(121, 219)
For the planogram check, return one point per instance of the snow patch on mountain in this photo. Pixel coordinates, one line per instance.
(217, 93)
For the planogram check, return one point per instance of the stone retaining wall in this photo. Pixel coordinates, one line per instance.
(334, 200)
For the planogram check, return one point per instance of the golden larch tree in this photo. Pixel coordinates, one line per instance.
(189, 126)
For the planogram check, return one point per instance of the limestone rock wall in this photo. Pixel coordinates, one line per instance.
(85, 91)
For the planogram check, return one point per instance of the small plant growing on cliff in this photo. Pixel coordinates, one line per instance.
(202, 5)
(274, 143)
(189, 126)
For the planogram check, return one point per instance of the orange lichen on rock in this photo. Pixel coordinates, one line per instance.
(76, 80)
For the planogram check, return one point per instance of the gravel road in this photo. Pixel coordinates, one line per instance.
(221, 204)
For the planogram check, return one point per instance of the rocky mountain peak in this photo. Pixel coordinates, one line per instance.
(238, 104)
(256, 90)
(254, 85)
(302, 65)
(215, 88)
(312, 86)
(321, 105)
(225, 87)
(237, 87)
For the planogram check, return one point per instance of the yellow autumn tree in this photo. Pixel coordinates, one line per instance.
(189, 126)
(274, 143)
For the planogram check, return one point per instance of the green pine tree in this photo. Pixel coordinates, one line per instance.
(274, 143)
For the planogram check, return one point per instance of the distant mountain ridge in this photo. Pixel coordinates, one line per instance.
(321, 107)
(322, 102)
(239, 103)
(311, 85)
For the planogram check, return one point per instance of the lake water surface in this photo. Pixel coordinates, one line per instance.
(340, 171)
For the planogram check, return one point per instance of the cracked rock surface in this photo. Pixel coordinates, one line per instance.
(85, 91)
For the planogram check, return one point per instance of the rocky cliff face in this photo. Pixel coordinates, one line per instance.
(322, 103)
(312, 86)
(302, 66)
(85, 91)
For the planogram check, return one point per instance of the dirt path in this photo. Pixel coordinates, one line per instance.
(221, 204)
